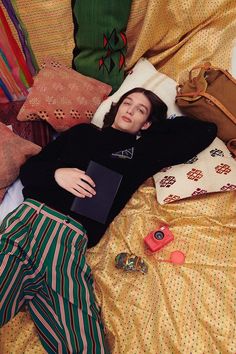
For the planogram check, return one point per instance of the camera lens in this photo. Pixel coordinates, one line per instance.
(159, 235)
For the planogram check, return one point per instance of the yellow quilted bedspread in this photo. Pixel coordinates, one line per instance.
(189, 308)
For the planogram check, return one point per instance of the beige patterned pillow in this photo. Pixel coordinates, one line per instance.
(212, 170)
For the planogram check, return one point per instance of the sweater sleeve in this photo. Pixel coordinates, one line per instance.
(176, 141)
(39, 169)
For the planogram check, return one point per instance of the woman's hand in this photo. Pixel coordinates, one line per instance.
(75, 181)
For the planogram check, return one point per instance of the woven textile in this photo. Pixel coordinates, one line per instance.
(50, 28)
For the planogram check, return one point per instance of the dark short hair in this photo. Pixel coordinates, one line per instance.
(158, 107)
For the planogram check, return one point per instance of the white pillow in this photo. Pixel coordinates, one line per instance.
(212, 170)
(233, 61)
(142, 75)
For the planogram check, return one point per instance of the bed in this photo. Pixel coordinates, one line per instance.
(188, 308)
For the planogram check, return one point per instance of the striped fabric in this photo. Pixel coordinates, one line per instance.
(49, 26)
(43, 266)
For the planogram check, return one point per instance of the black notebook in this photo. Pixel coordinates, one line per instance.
(107, 183)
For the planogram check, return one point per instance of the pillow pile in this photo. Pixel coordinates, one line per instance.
(144, 75)
(14, 151)
(63, 97)
(212, 170)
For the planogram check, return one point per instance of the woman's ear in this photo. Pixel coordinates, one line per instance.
(146, 125)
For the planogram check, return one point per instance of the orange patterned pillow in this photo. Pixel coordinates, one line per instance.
(14, 151)
(2, 193)
(63, 97)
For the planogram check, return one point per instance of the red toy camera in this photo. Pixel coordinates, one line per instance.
(157, 239)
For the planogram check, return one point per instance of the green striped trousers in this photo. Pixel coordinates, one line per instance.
(43, 266)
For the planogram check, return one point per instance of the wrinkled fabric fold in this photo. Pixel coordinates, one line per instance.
(181, 34)
(156, 312)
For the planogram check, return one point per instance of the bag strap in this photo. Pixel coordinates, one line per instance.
(229, 76)
(204, 67)
(219, 105)
(207, 66)
(192, 97)
(188, 96)
(198, 93)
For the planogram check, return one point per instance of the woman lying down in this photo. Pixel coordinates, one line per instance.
(43, 242)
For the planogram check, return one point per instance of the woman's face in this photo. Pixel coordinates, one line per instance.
(133, 113)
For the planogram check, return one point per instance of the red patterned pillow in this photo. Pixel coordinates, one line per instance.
(63, 97)
(14, 151)
(212, 170)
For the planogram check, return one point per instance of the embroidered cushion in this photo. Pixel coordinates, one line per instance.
(143, 75)
(212, 170)
(100, 41)
(63, 97)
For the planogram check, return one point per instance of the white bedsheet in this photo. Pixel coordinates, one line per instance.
(12, 199)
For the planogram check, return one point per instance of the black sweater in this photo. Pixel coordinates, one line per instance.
(166, 143)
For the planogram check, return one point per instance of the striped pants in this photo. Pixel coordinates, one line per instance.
(43, 266)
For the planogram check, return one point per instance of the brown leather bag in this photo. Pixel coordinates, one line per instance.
(210, 96)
